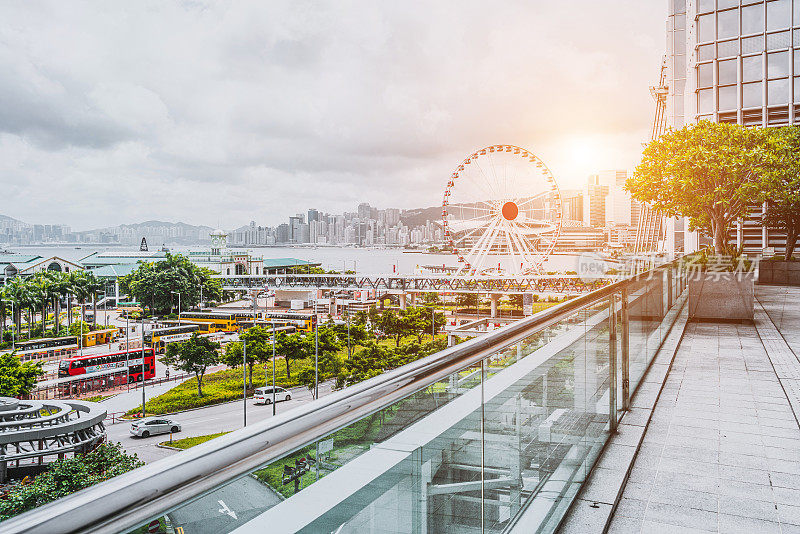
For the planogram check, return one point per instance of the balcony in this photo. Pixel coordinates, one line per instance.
(497, 434)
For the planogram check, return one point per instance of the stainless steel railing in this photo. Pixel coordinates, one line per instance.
(131, 499)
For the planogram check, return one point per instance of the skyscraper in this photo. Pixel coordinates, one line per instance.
(734, 61)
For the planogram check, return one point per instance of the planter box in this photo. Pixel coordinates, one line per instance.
(785, 273)
(721, 296)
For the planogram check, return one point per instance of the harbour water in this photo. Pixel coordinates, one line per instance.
(361, 260)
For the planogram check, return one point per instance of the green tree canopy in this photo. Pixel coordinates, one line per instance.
(17, 379)
(195, 355)
(781, 186)
(259, 349)
(708, 172)
(66, 476)
(152, 284)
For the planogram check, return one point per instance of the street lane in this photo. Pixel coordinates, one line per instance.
(204, 421)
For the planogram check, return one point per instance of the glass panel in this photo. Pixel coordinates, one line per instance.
(680, 65)
(705, 117)
(751, 69)
(727, 98)
(778, 14)
(776, 41)
(728, 48)
(705, 28)
(722, 4)
(752, 95)
(796, 38)
(778, 64)
(778, 92)
(752, 19)
(727, 24)
(704, 6)
(796, 13)
(797, 61)
(727, 72)
(753, 44)
(796, 91)
(705, 100)
(705, 75)
(705, 52)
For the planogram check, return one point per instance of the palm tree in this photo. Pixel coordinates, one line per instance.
(93, 285)
(80, 289)
(16, 291)
(62, 290)
(39, 290)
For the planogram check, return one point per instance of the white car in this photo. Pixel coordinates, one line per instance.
(264, 395)
(153, 426)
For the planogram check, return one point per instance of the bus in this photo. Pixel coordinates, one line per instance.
(47, 349)
(158, 338)
(212, 321)
(111, 366)
(301, 321)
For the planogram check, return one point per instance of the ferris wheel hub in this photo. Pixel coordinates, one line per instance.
(510, 211)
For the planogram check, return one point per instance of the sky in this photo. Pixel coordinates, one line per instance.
(220, 113)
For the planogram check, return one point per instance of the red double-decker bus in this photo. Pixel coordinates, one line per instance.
(111, 366)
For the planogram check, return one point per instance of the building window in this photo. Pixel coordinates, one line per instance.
(778, 15)
(796, 91)
(796, 13)
(727, 97)
(751, 69)
(778, 92)
(752, 19)
(727, 72)
(704, 6)
(778, 64)
(728, 48)
(705, 75)
(751, 45)
(705, 28)
(705, 53)
(796, 37)
(727, 24)
(723, 4)
(751, 95)
(776, 41)
(705, 101)
(797, 62)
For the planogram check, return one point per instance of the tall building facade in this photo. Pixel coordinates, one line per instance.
(733, 61)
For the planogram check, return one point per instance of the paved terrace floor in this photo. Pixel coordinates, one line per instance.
(722, 450)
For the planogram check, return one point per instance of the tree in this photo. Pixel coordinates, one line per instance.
(195, 355)
(395, 325)
(66, 476)
(781, 186)
(17, 379)
(259, 349)
(421, 321)
(708, 172)
(293, 346)
(467, 300)
(365, 363)
(153, 283)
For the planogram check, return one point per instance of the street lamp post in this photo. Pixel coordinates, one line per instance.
(143, 375)
(179, 305)
(244, 381)
(316, 352)
(273, 368)
(127, 350)
(13, 326)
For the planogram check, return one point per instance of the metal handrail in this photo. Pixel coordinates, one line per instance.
(131, 499)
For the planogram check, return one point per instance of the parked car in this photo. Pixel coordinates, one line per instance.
(152, 426)
(264, 395)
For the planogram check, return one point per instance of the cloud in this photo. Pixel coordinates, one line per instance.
(220, 113)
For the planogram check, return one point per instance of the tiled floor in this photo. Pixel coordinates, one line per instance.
(722, 451)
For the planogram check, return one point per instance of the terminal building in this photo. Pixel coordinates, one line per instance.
(733, 61)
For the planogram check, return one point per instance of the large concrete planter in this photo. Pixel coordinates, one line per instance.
(785, 273)
(721, 296)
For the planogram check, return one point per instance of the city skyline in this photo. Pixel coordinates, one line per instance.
(254, 105)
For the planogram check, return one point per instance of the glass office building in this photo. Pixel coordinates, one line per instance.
(735, 61)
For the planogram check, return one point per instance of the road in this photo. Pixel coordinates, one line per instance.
(204, 421)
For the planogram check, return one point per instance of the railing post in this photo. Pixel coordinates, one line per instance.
(669, 288)
(612, 363)
(625, 353)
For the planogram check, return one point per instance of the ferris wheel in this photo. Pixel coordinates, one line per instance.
(501, 212)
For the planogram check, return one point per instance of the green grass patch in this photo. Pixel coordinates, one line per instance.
(187, 443)
(98, 398)
(221, 386)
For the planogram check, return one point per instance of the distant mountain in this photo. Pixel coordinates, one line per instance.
(156, 233)
(420, 216)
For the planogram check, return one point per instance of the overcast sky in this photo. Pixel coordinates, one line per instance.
(220, 113)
